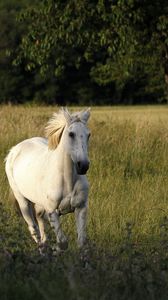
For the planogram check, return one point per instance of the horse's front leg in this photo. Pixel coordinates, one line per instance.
(62, 242)
(81, 218)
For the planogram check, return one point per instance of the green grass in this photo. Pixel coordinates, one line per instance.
(127, 220)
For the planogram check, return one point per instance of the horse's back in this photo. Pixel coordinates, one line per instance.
(32, 144)
(21, 162)
(26, 150)
(28, 145)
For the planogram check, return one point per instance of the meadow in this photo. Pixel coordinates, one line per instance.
(128, 212)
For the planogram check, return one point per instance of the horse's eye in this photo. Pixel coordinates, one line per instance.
(89, 136)
(71, 134)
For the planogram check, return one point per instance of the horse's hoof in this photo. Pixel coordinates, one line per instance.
(56, 251)
(42, 247)
(63, 245)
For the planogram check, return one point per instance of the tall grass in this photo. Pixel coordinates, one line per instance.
(128, 175)
(128, 209)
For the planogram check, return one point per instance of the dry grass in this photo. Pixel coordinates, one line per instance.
(128, 202)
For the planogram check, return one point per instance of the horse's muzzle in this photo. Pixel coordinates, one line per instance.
(82, 167)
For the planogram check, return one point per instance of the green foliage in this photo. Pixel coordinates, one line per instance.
(117, 47)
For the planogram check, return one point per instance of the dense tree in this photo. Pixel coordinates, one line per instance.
(92, 51)
(15, 83)
(117, 43)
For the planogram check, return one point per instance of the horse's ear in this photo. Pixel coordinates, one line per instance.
(54, 138)
(85, 115)
(66, 115)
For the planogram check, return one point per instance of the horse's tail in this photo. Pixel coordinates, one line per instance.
(9, 162)
(12, 199)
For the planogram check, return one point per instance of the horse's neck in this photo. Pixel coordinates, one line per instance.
(65, 165)
(68, 171)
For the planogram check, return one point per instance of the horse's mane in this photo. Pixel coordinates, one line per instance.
(55, 127)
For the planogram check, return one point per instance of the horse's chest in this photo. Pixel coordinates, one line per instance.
(70, 202)
(66, 198)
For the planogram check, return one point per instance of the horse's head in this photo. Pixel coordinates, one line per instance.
(76, 139)
(72, 130)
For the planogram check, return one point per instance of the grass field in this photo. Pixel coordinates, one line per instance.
(128, 212)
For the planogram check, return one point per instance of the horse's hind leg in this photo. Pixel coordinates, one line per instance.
(39, 211)
(27, 214)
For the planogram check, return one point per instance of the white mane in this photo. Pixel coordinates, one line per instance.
(55, 128)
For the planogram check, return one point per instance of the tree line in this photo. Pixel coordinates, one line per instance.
(84, 52)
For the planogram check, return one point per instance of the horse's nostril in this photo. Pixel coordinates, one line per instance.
(79, 164)
(82, 167)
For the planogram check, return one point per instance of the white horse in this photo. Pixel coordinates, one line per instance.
(49, 174)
